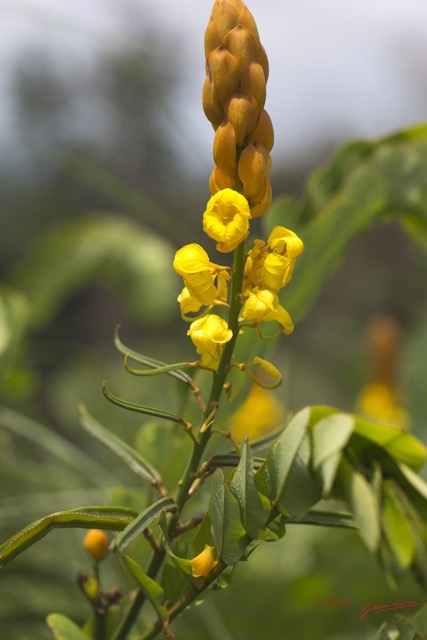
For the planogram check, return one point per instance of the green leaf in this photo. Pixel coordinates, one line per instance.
(281, 455)
(301, 491)
(14, 314)
(103, 248)
(132, 458)
(396, 527)
(151, 589)
(139, 524)
(112, 518)
(330, 435)
(253, 511)
(63, 628)
(203, 535)
(228, 533)
(362, 501)
(402, 446)
(182, 563)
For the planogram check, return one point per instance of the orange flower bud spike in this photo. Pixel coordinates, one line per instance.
(96, 543)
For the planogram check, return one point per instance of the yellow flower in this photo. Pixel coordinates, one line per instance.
(203, 564)
(209, 334)
(260, 413)
(263, 305)
(285, 242)
(192, 258)
(96, 544)
(270, 266)
(226, 219)
(187, 303)
(199, 273)
(378, 401)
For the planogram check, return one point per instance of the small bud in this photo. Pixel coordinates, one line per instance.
(254, 167)
(263, 61)
(242, 45)
(214, 111)
(91, 588)
(263, 131)
(224, 148)
(212, 37)
(262, 200)
(96, 544)
(226, 15)
(247, 20)
(253, 82)
(224, 72)
(220, 180)
(203, 564)
(242, 113)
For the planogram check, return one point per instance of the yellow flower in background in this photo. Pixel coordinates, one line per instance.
(259, 414)
(96, 543)
(226, 219)
(378, 401)
(262, 305)
(209, 334)
(203, 564)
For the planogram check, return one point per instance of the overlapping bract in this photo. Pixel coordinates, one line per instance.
(234, 95)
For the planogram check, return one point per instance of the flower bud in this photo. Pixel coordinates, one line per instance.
(241, 43)
(263, 61)
(220, 180)
(261, 201)
(213, 37)
(214, 111)
(263, 131)
(253, 82)
(224, 72)
(242, 112)
(226, 15)
(254, 167)
(224, 148)
(247, 20)
(96, 544)
(204, 563)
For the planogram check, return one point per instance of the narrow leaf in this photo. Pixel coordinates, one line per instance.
(112, 518)
(281, 455)
(361, 499)
(137, 526)
(397, 528)
(253, 511)
(63, 628)
(132, 458)
(151, 589)
(228, 533)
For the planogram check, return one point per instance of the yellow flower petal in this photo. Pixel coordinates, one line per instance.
(203, 564)
(191, 258)
(281, 316)
(201, 286)
(187, 303)
(258, 304)
(285, 242)
(209, 333)
(226, 219)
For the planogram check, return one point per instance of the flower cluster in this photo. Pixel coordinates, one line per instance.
(234, 95)
(269, 268)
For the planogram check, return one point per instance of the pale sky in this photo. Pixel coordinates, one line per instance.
(340, 65)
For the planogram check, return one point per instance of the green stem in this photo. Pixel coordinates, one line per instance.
(199, 447)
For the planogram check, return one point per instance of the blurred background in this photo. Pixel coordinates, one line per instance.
(104, 169)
